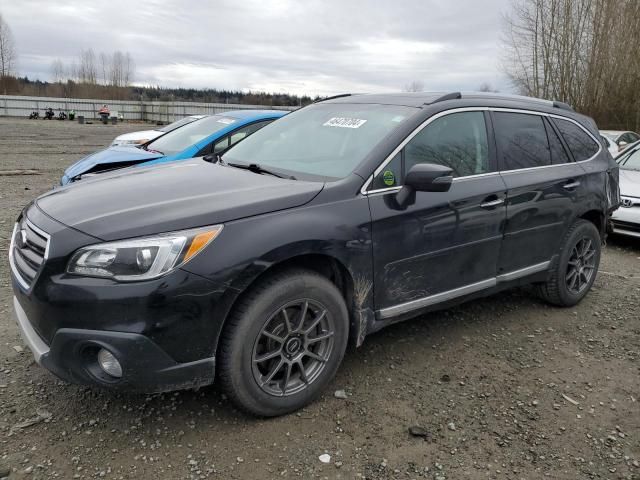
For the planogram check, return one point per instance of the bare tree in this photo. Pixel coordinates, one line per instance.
(57, 71)
(583, 52)
(487, 87)
(414, 86)
(7, 50)
(87, 69)
(105, 67)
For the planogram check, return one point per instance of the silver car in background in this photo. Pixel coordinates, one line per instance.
(626, 219)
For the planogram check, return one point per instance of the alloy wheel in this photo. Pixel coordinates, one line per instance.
(293, 347)
(581, 265)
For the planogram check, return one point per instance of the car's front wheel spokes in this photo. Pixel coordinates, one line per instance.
(293, 347)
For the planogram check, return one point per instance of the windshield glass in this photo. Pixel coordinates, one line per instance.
(327, 139)
(631, 161)
(180, 123)
(176, 141)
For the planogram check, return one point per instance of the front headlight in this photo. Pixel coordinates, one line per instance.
(141, 258)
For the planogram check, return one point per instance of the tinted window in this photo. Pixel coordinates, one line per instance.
(558, 153)
(522, 141)
(458, 141)
(326, 140)
(582, 146)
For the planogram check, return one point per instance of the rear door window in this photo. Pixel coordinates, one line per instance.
(582, 146)
(558, 153)
(521, 140)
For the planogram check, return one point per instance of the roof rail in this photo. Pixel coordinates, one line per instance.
(448, 96)
(563, 106)
(333, 97)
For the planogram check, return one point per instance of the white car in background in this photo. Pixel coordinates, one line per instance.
(626, 219)
(612, 147)
(144, 136)
(621, 138)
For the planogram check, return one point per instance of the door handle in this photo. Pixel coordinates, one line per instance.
(570, 185)
(492, 203)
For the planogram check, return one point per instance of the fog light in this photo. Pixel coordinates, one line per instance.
(109, 364)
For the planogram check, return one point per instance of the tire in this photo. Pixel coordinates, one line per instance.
(572, 276)
(249, 352)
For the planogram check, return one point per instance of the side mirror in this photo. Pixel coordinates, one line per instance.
(425, 177)
(429, 177)
(622, 145)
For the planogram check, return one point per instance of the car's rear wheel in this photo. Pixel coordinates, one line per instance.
(283, 343)
(576, 268)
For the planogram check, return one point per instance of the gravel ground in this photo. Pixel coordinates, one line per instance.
(506, 387)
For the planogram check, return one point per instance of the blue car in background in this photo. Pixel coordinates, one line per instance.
(209, 135)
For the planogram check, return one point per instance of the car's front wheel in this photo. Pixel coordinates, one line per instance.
(283, 343)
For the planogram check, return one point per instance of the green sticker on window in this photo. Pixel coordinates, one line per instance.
(388, 178)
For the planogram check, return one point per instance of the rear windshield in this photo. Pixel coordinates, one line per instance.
(326, 140)
(184, 137)
(180, 123)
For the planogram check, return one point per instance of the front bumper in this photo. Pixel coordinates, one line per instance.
(72, 356)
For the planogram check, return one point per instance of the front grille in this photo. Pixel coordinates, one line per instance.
(632, 227)
(28, 252)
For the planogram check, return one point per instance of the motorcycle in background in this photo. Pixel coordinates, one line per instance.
(48, 114)
(62, 115)
(34, 115)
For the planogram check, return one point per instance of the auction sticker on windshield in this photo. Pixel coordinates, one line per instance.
(344, 122)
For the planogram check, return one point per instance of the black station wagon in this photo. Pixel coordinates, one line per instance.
(257, 269)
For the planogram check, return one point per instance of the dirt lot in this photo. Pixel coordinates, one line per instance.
(505, 387)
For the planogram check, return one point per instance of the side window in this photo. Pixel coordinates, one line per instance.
(522, 141)
(390, 176)
(582, 146)
(458, 141)
(634, 137)
(221, 145)
(558, 153)
(240, 134)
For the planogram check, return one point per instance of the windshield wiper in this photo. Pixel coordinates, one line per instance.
(255, 168)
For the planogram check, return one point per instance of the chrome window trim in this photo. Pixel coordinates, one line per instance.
(418, 129)
(14, 270)
(441, 297)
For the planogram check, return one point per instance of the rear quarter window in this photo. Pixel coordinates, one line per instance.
(582, 146)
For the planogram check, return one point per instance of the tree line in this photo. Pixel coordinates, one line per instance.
(582, 52)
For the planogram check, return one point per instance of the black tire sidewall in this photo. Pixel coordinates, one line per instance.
(583, 229)
(258, 309)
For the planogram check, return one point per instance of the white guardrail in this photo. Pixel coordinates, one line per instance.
(150, 111)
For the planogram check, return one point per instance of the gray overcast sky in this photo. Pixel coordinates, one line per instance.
(304, 47)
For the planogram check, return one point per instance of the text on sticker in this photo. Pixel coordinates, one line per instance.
(344, 122)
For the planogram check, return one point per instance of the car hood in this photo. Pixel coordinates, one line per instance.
(630, 183)
(111, 155)
(170, 197)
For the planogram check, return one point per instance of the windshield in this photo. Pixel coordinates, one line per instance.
(630, 161)
(327, 140)
(176, 141)
(180, 123)
(610, 136)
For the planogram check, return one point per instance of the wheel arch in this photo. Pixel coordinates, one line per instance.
(354, 290)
